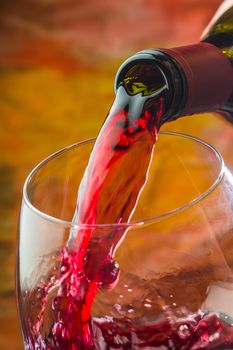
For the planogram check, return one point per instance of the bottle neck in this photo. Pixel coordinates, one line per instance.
(199, 77)
(208, 74)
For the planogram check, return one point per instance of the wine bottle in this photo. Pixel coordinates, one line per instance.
(197, 78)
(220, 33)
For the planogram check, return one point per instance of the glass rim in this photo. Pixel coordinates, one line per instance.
(141, 222)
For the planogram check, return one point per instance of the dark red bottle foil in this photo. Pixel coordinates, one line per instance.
(209, 76)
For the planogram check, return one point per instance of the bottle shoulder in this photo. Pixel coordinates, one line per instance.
(222, 21)
(220, 33)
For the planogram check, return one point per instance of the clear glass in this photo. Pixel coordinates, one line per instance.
(175, 287)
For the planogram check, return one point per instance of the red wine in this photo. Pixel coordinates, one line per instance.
(107, 194)
(194, 333)
(174, 328)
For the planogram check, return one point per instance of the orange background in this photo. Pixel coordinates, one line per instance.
(58, 60)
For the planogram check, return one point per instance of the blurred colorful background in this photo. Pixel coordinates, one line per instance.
(58, 59)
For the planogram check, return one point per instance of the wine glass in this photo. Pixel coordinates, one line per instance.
(173, 282)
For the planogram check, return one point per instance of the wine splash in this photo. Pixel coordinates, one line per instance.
(194, 333)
